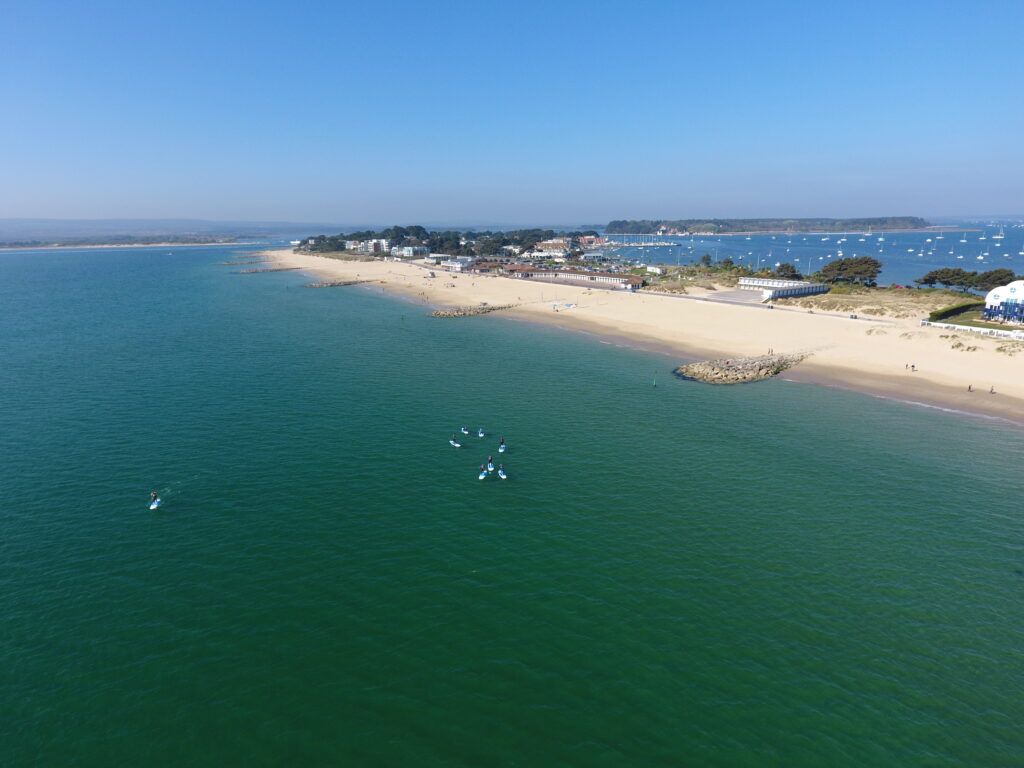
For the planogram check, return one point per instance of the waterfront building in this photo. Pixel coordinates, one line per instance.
(413, 252)
(1005, 304)
(559, 245)
(457, 263)
(594, 278)
(772, 288)
(375, 246)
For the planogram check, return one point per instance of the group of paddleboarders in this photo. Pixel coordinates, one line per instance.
(485, 469)
(489, 467)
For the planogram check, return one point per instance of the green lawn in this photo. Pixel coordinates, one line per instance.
(973, 319)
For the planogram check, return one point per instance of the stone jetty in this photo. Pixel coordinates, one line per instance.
(470, 311)
(249, 262)
(737, 370)
(268, 269)
(336, 283)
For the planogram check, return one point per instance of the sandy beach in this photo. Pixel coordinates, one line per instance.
(872, 355)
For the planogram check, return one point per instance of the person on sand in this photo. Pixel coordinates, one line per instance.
(970, 388)
(913, 368)
(991, 390)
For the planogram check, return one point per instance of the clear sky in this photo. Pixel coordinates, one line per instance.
(510, 112)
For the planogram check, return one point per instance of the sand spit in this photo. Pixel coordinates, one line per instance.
(894, 358)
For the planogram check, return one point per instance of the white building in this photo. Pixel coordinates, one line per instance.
(457, 263)
(1006, 303)
(772, 288)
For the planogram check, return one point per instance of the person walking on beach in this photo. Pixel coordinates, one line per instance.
(991, 390)
(970, 388)
(913, 368)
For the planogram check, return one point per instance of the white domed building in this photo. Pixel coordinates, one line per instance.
(1006, 303)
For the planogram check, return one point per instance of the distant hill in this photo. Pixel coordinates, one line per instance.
(87, 231)
(727, 226)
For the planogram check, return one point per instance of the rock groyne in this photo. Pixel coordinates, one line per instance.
(737, 370)
(470, 311)
(336, 283)
(270, 269)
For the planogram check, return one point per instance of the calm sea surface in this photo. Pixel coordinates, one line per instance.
(774, 574)
(906, 256)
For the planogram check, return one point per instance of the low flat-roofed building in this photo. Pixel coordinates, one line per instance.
(457, 263)
(594, 278)
(776, 288)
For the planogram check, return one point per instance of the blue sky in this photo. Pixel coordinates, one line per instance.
(517, 112)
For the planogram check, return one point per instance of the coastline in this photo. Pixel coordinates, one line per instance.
(865, 355)
(116, 245)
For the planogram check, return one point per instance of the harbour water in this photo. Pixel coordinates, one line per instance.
(773, 574)
(906, 256)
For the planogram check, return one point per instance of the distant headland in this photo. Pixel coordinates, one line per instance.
(755, 226)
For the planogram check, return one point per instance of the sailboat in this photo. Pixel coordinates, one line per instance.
(1000, 236)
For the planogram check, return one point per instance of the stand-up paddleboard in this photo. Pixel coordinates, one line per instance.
(502, 475)
(464, 431)
(457, 445)
(501, 448)
(156, 504)
(482, 475)
(480, 433)
(490, 467)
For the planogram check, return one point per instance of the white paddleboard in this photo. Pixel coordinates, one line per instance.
(482, 476)
(457, 445)
(501, 474)
(501, 449)
(156, 504)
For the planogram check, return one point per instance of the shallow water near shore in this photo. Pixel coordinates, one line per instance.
(682, 574)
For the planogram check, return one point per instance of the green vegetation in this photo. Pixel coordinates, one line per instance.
(965, 281)
(946, 313)
(787, 272)
(725, 226)
(973, 318)
(862, 269)
(451, 242)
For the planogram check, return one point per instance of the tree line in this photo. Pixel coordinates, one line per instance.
(451, 242)
(965, 281)
(723, 226)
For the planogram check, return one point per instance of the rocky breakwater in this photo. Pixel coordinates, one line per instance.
(336, 283)
(737, 370)
(483, 309)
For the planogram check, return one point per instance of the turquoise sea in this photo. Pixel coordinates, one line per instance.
(765, 575)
